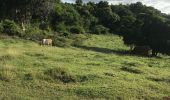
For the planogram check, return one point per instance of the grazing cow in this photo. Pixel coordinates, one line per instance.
(142, 50)
(47, 42)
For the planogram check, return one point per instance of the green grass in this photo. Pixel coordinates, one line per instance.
(101, 68)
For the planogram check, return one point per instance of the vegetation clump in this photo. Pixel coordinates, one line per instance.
(29, 76)
(11, 28)
(61, 74)
(7, 74)
(6, 57)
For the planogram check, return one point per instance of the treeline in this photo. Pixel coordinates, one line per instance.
(137, 23)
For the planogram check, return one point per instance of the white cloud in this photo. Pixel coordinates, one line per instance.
(163, 5)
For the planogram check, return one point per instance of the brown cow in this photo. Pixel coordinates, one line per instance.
(47, 42)
(142, 50)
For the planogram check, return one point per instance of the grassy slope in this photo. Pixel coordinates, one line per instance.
(106, 72)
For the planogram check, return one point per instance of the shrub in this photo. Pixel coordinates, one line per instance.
(88, 77)
(66, 39)
(65, 34)
(99, 29)
(61, 27)
(11, 28)
(6, 57)
(77, 30)
(109, 74)
(34, 33)
(44, 26)
(62, 41)
(61, 74)
(29, 76)
(78, 39)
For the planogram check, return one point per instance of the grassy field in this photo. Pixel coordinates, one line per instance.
(99, 69)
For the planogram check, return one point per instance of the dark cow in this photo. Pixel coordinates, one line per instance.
(142, 50)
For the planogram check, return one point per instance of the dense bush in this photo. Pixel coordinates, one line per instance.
(44, 26)
(65, 34)
(62, 41)
(99, 29)
(11, 28)
(34, 33)
(61, 27)
(66, 39)
(77, 30)
(78, 39)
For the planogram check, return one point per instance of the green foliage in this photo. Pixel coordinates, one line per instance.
(11, 28)
(79, 2)
(62, 41)
(103, 4)
(61, 27)
(77, 30)
(44, 26)
(79, 39)
(66, 40)
(99, 29)
(34, 33)
(66, 13)
(65, 18)
(105, 14)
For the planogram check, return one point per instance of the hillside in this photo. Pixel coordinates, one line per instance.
(99, 69)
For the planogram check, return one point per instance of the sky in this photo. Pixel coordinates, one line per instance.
(163, 5)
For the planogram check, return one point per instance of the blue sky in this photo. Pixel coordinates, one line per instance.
(163, 5)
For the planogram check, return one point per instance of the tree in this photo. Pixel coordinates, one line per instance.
(157, 33)
(103, 4)
(65, 15)
(79, 2)
(106, 17)
(137, 7)
(20, 10)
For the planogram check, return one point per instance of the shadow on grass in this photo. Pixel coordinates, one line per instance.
(159, 79)
(104, 50)
(131, 70)
(118, 52)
